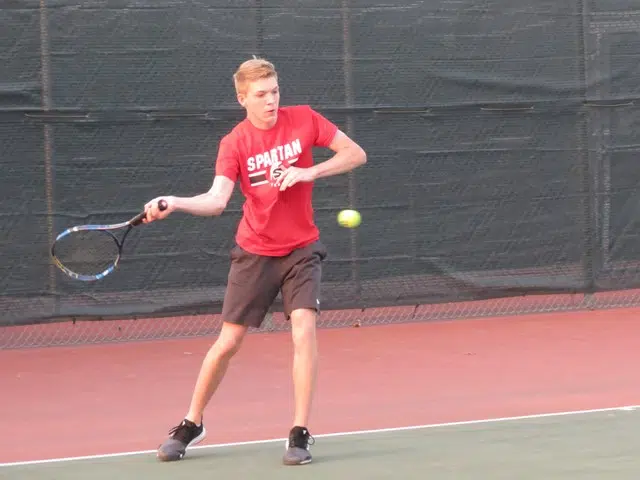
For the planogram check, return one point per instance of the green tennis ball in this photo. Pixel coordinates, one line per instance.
(349, 218)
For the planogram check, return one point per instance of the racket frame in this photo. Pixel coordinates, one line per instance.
(106, 229)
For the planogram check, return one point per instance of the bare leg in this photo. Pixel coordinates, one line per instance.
(305, 363)
(212, 371)
(214, 367)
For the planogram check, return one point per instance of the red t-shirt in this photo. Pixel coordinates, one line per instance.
(274, 223)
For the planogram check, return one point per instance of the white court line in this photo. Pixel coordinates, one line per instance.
(337, 434)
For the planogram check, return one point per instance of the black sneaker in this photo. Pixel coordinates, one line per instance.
(297, 447)
(180, 437)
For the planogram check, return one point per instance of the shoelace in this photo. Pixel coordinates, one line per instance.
(181, 432)
(301, 440)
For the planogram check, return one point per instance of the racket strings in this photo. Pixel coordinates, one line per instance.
(89, 252)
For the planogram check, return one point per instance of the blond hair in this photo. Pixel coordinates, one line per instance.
(252, 70)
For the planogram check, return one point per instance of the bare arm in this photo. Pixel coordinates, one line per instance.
(211, 203)
(349, 155)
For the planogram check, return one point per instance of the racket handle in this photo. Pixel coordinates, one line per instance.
(137, 220)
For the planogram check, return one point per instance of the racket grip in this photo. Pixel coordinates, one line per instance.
(137, 220)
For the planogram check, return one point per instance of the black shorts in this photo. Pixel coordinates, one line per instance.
(255, 280)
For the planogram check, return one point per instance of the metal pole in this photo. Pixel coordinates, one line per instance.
(350, 130)
(45, 74)
(259, 28)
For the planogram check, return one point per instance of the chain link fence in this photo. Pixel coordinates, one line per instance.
(502, 141)
(69, 332)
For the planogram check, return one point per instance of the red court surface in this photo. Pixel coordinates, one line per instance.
(100, 399)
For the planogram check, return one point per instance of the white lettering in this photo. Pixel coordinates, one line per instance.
(264, 160)
(297, 148)
(288, 152)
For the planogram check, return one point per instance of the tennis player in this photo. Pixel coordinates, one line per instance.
(278, 245)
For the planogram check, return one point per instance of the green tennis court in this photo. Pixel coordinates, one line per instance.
(580, 445)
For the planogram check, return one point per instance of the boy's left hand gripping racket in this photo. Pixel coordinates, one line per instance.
(91, 252)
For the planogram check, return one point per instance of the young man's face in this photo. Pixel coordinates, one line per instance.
(261, 102)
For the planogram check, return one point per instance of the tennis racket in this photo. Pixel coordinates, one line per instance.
(91, 252)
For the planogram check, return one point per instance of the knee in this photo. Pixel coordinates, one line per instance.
(226, 348)
(303, 326)
(227, 344)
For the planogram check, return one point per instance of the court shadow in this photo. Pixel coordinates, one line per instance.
(349, 455)
(345, 454)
